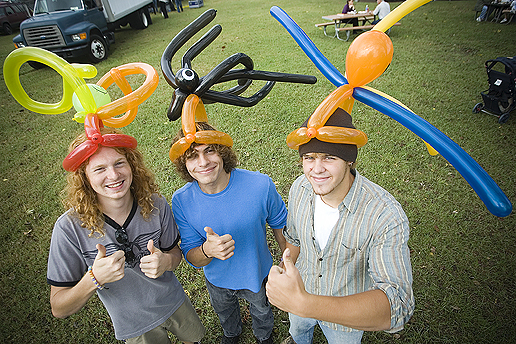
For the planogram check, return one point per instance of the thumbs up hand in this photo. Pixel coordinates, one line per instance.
(154, 264)
(220, 247)
(108, 269)
(285, 288)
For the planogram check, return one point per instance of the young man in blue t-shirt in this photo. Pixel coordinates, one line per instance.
(222, 214)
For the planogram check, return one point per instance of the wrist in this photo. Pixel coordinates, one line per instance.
(203, 252)
(305, 305)
(93, 279)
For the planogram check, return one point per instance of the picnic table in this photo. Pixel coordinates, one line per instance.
(497, 9)
(341, 22)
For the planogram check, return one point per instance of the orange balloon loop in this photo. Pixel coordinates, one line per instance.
(132, 99)
(194, 111)
(329, 105)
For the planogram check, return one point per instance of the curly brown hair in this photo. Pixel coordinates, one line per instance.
(82, 199)
(229, 158)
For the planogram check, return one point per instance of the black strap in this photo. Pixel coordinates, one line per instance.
(115, 225)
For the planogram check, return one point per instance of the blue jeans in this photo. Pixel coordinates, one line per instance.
(225, 303)
(179, 5)
(302, 331)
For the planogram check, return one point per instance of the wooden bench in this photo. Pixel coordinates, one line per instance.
(348, 29)
(324, 25)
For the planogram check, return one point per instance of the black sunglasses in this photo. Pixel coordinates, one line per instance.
(123, 239)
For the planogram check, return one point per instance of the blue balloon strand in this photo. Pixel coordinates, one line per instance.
(485, 187)
(321, 62)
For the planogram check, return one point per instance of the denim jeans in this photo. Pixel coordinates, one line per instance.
(225, 303)
(179, 6)
(302, 331)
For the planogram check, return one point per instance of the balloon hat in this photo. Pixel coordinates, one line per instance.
(192, 91)
(92, 102)
(193, 111)
(367, 58)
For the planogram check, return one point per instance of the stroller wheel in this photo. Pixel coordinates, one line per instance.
(503, 118)
(478, 107)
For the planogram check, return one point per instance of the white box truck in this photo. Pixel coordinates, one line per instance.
(75, 28)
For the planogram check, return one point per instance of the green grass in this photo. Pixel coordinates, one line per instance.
(462, 256)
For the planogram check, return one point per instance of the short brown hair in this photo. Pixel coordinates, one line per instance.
(229, 158)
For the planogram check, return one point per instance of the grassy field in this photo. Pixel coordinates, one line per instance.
(462, 255)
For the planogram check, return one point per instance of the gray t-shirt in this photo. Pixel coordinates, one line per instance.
(136, 303)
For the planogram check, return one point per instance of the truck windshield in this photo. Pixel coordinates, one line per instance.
(46, 6)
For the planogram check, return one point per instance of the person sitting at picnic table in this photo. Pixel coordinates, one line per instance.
(350, 8)
(485, 10)
(512, 10)
(382, 10)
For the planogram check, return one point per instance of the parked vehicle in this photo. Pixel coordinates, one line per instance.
(11, 15)
(76, 28)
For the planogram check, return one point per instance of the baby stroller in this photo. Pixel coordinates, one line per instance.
(499, 99)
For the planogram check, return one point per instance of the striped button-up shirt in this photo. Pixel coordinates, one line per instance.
(367, 249)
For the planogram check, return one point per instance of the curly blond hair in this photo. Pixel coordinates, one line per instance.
(82, 199)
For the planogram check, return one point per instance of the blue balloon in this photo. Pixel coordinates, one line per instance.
(321, 62)
(485, 187)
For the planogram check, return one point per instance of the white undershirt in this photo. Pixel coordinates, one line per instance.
(325, 218)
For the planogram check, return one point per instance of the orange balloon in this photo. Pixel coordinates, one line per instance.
(132, 99)
(342, 135)
(368, 57)
(329, 105)
(194, 111)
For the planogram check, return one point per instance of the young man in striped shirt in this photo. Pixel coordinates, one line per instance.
(348, 240)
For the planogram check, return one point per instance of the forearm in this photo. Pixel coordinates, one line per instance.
(280, 239)
(367, 311)
(197, 258)
(174, 258)
(66, 301)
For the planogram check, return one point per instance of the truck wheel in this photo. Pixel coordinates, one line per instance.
(7, 29)
(139, 20)
(98, 49)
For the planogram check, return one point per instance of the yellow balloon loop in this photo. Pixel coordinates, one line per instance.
(72, 79)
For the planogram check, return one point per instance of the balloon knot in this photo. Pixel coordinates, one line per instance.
(311, 132)
(190, 138)
(97, 138)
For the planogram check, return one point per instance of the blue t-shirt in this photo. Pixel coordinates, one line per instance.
(242, 209)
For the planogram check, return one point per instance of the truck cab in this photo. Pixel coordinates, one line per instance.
(68, 28)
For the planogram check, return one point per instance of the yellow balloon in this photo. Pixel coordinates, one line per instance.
(72, 79)
(398, 13)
